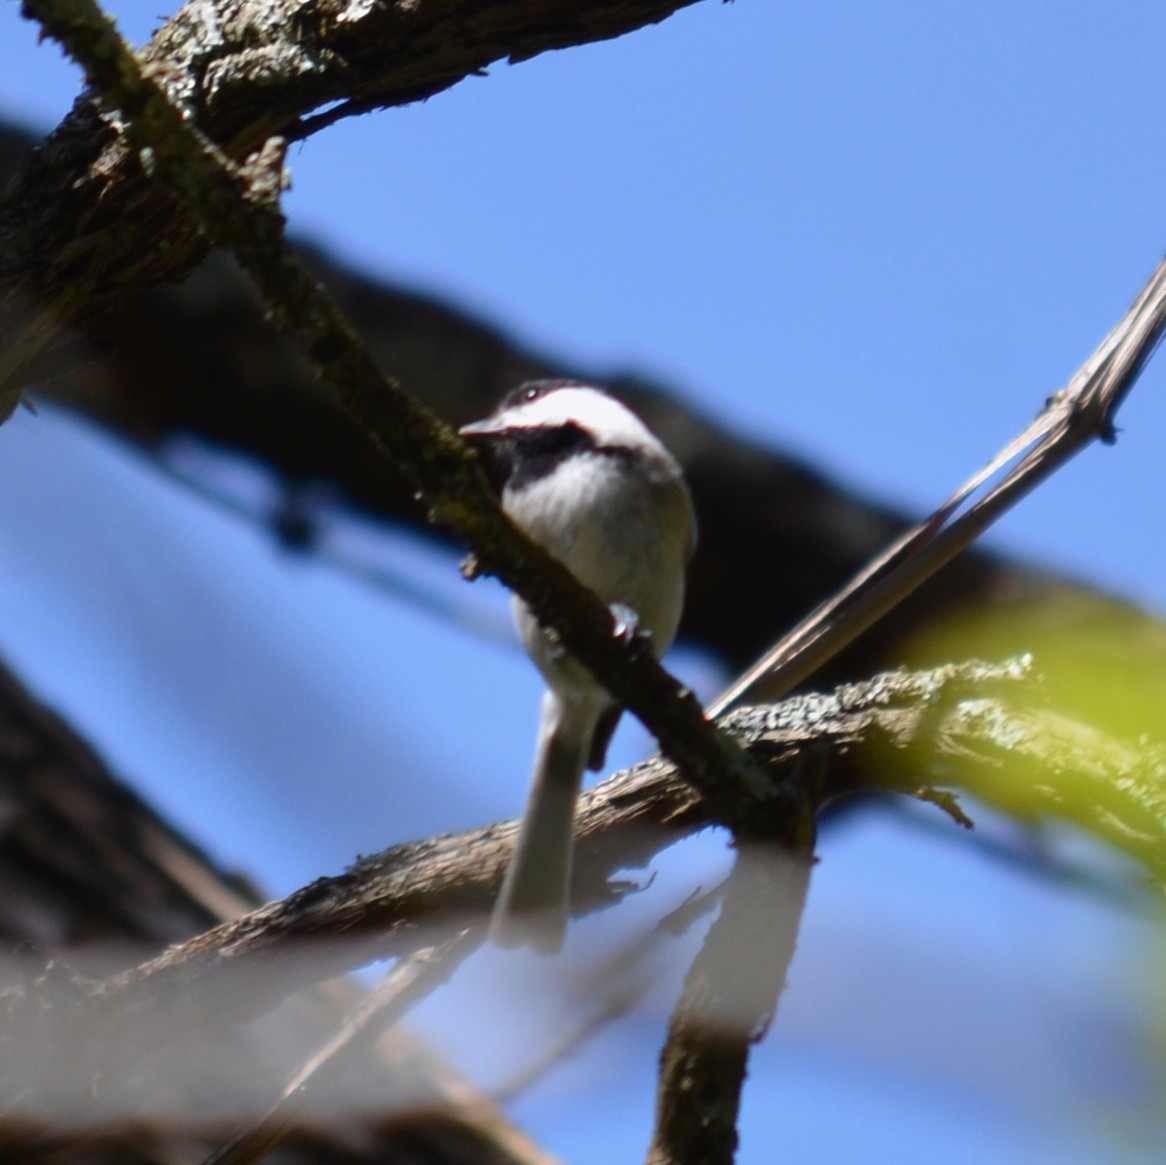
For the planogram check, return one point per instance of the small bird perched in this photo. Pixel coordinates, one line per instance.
(584, 477)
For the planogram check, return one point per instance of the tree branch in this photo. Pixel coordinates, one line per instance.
(729, 998)
(86, 222)
(897, 732)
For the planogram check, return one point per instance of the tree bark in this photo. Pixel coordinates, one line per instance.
(84, 223)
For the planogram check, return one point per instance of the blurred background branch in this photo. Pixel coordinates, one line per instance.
(777, 536)
(197, 361)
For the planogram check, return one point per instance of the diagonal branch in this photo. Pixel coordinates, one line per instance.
(703, 1064)
(238, 208)
(1072, 418)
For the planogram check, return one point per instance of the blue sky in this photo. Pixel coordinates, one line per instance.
(878, 236)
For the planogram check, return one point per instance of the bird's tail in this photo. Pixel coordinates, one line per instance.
(533, 905)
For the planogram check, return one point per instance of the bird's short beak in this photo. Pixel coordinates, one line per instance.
(486, 428)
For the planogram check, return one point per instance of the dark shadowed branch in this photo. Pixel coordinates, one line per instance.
(92, 873)
(185, 367)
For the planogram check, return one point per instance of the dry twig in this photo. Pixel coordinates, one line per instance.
(707, 1065)
(401, 989)
(1078, 414)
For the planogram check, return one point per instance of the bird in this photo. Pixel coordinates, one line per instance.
(584, 477)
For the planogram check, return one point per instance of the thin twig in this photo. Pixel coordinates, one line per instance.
(612, 990)
(1072, 418)
(400, 990)
(617, 996)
